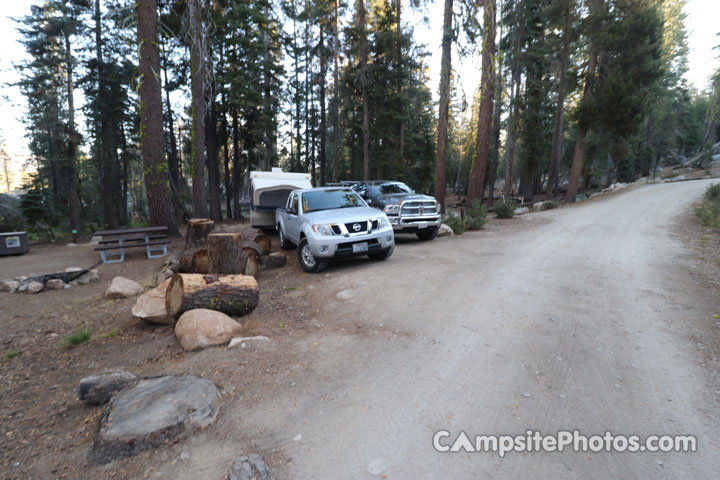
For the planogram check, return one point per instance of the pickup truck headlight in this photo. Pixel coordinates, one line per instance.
(322, 229)
(383, 222)
(392, 209)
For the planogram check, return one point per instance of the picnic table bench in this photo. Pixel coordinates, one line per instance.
(154, 239)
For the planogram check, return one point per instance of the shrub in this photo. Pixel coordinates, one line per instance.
(456, 223)
(708, 211)
(77, 337)
(11, 354)
(504, 209)
(548, 205)
(476, 216)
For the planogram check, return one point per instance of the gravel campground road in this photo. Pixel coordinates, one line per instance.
(582, 318)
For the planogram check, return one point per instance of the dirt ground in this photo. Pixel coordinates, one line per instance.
(594, 316)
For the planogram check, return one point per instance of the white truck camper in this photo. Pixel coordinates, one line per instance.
(270, 190)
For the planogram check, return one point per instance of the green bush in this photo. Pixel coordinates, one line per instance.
(455, 222)
(504, 209)
(708, 211)
(77, 337)
(476, 216)
(548, 205)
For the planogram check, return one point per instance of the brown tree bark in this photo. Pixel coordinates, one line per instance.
(197, 233)
(444, 107)
(213, 163)
(579, 153)
(322, 160)
(73, 141)
(151, 119)
(560, 109)
(230, 294)
(336, 95)
(361, 24)
(225, 253)
(487, 92)
(193, 260)
(497, 111)
(199, 105)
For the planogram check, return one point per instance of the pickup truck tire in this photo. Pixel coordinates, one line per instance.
(285, 244)
(428, 234)
(383, 255)
(307, 261)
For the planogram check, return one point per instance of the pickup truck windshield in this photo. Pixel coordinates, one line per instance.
(330, 199)
(390, 189)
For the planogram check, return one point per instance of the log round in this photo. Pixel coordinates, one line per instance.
(231, 294)
(197, 232)
(193, 260)
(225, 253)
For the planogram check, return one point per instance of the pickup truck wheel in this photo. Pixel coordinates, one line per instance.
(284, 242)
(428, 234)
(383, 255)
(307, 261)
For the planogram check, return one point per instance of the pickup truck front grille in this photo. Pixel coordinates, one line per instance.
(419, 208)
(357, 227)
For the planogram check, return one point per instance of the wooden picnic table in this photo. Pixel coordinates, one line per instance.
(154, 239)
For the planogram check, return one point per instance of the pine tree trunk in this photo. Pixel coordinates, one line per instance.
(444, 107)
(213, 163)
(237, 168)
(495, 159)
(361, 19)
(151, 119)
(559, 111)
(73, 140)
(487, 93)
(323, 127)
(337, 137)
(579, 153)
(199, 105)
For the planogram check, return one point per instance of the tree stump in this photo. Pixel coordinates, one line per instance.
(231, 294)
(275, 260)
(225, 253)
(197, 232)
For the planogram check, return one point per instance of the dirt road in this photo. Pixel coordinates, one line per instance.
(581, 318)
(591, 317)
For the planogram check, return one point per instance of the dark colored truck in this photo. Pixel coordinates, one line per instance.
(408, 212)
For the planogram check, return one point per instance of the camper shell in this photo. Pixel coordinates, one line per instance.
(270, 190)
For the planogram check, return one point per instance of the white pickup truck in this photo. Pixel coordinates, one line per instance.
(330, 223)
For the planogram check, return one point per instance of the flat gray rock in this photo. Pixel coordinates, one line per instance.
(98, 389)
(251, 467)
(155, 411)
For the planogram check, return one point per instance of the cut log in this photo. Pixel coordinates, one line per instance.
(251, 264)
(174, 296)
(197, 232)
(275, 260)
(162, 303)
(255, 235)
(231, 294)
(225, 253)
(194, 260)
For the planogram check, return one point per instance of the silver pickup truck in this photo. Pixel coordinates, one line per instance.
(329, 223)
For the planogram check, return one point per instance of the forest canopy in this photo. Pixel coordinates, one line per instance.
(181, 99)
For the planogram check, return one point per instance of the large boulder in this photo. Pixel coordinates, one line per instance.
(151, 305)
(122, 287)
(202, 328)
(156, 411)
(98, 389)
(251, 467)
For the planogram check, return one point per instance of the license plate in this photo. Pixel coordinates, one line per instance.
(360, 247)
(422, 225)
